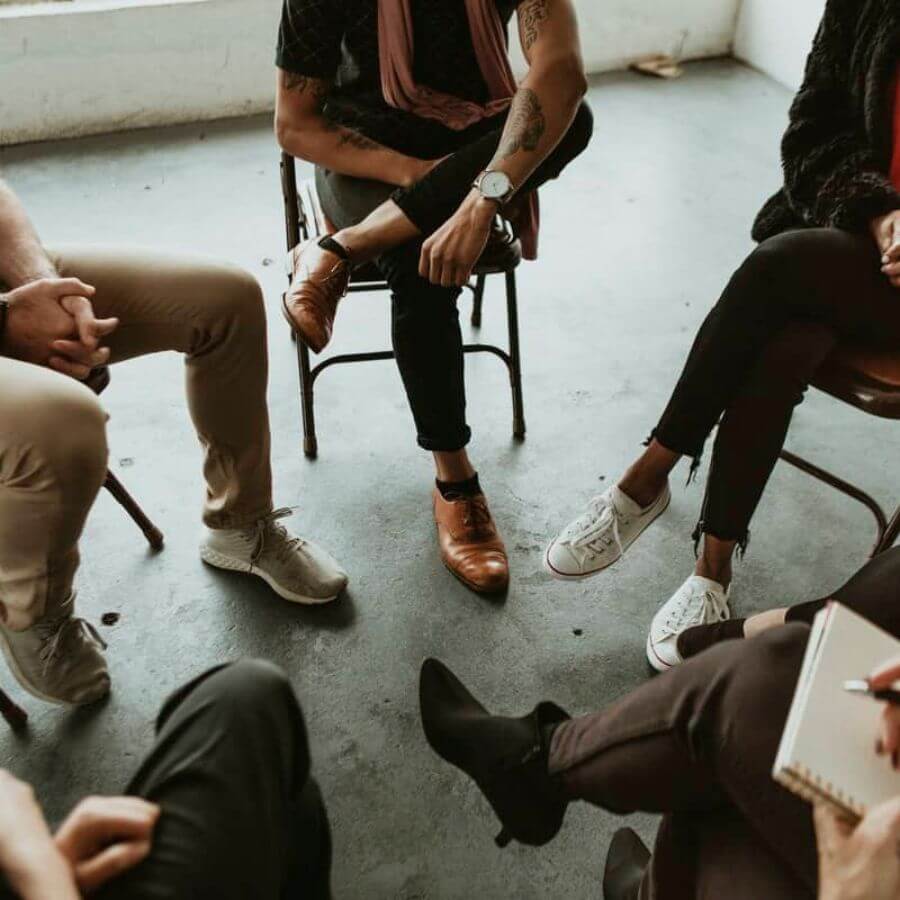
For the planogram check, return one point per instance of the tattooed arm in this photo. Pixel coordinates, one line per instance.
(303, 131)
(548, 97)
(541, 112)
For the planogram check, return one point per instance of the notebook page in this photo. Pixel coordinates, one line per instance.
(830, 739)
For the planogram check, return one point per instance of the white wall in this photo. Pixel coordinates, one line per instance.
(101, 65)
(775, 36)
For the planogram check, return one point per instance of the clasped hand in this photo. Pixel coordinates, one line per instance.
(51, 322)
(102, 838)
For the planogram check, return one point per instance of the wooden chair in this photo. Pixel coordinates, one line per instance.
(304, 219)
(870, 381)
(98, 381)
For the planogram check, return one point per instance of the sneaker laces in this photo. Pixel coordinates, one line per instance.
(54, 633)
(695, 609)
(269, 533)
(591, 529)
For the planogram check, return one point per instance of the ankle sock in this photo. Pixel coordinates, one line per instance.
(332, 246)
(699, 638)
(468, 488)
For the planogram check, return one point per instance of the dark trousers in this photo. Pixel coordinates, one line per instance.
(794, 298)
(425, 322)
(241, 816)
(698, 744)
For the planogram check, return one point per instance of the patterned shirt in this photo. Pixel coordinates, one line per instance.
(337, 40)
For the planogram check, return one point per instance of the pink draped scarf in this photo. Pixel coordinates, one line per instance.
(395, 52)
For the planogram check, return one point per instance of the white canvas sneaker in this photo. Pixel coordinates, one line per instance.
(601, 535)
(294, 568)
(699, 601)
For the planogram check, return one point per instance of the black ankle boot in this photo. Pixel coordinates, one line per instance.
(506, 757)
(626, 863)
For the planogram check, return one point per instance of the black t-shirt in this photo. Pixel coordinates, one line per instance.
(338, 40)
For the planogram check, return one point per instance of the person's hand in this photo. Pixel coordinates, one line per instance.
(78, 357)
(28, 856)
(106, 836)
(450, 254)
(47, 318)
(886, 231)
(859, 862)
(888, 743)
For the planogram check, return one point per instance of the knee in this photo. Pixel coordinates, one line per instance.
(256, 684)
(59, 435)
(236, 299)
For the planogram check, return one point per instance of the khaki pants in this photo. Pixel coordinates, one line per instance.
(52, 429)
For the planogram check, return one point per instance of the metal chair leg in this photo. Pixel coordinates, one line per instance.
(890, 535)
(15, 716)
(515, 362)
(307, 401)
(129, 504)
(477, 298)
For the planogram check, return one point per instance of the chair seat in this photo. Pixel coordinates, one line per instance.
(865, 378)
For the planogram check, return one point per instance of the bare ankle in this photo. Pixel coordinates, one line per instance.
(641, 489)
(716, 570)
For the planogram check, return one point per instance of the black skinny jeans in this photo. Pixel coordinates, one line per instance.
(792, 301)
(425, 321)
(698, 745)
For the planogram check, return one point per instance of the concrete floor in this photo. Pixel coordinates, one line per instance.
(638, 239)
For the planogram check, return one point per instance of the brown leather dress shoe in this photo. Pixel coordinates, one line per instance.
(320, 280)
(471, 548)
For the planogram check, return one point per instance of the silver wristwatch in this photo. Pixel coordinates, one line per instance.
(494, 185)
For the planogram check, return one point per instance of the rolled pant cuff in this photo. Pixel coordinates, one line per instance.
(445, 445)
(740, 537)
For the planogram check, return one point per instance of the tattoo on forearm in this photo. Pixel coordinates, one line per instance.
(525, 125)
(350, 138)
(532, 14)
(303, 84)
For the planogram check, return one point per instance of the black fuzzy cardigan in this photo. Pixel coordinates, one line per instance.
(837, 149)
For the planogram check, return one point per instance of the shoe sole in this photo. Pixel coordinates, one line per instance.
(28, 687)
(230, 564)
(562, 576)
(658, 665)
(487, 592)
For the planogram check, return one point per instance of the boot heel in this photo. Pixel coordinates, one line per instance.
(503, 838)
(15, 716)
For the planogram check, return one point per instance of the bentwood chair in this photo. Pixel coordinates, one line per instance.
(870, 381)
(98, 381)
(304, 219)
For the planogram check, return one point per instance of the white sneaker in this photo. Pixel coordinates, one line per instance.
(595, 540)
(295, 569)
(699, 601)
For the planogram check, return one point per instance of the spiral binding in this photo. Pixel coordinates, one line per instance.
(801, 780)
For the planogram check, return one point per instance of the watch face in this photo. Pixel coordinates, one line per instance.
(495, 185)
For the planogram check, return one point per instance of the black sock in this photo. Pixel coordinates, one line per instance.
(332, 246)
(468, 488)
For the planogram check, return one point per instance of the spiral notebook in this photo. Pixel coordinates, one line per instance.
(827, 751)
